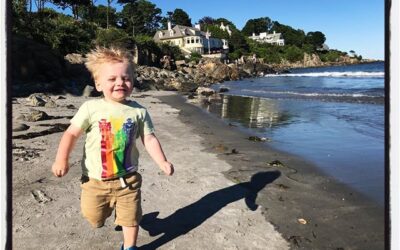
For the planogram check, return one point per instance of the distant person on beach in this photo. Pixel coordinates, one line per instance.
(110, 177)
(254, 61)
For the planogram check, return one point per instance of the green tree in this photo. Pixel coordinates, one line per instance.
(108, 11)
(237, 42)
(61, 32)
(180, 17)
(173, 51)
(232, 26)
(19, 7)
(140, 17)
(74, 5)
(207, 21)
(115, 36)
(291, 36)
(257, 26)
(215, 31)
(98, 15)
(316, 39)
(127, 16)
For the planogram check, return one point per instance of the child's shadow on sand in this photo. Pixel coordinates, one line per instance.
(193, 215)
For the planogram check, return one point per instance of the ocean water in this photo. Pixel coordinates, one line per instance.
(332, 116)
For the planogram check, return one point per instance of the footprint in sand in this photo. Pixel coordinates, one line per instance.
(40, 196)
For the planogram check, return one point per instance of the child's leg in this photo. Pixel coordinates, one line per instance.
(130, 236)
(95, 201)
(129, 210)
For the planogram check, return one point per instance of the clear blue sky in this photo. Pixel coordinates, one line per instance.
(347, 24)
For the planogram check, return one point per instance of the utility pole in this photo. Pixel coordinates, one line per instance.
(208, 34)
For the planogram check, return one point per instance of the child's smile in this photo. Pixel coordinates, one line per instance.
(115, 81)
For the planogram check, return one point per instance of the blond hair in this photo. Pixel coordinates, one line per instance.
(101, 55)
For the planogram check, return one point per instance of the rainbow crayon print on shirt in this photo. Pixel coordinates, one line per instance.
(116, 145)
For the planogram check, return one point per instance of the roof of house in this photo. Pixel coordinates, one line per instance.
(272, 36)
(178, 32)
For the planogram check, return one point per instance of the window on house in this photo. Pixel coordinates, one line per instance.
(192, 40)
(197, 40)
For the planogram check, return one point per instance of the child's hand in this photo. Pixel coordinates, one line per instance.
(60, 169)
(168, 168)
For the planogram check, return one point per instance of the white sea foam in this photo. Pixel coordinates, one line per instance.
(355, 95)
(332, 74)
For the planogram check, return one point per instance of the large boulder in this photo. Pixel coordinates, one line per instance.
(77, 72)
(249, 68)
(180, 84)
(312, 60)
(205, 91)
(36, 115)
(75, 58)
(221, 73)
(216, 71)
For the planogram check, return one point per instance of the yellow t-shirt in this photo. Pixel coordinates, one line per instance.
(111, 132)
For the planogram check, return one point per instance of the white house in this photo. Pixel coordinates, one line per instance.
(264, 37)
(225, 28)
(191, 39)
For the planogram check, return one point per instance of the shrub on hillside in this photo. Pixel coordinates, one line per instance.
(293, 53)
(330, 56)
(60, 32)
(171, 50)
(112, 36)
(195, 57)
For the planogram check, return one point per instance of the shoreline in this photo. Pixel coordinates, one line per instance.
(336, 216)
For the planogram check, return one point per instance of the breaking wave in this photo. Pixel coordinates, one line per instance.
(332, 74)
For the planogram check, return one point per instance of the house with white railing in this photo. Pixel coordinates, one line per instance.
(191, 39)
(264, 37)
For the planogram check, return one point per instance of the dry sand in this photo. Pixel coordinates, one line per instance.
(223, 195)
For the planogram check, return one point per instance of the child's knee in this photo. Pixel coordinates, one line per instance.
(96, 218)
(95, 224)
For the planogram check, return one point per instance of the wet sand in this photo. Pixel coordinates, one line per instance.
(227, 192)
(337, 217)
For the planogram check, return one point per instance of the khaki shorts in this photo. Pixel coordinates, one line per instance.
(99, 198)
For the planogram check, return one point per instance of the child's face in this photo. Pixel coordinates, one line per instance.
(115, 81)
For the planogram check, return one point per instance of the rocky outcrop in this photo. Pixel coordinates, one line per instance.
(189, 76)
(313, 60)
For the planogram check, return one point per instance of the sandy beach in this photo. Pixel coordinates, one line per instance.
(227, 192)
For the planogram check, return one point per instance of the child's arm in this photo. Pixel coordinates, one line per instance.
(60, 166)
(153, 147)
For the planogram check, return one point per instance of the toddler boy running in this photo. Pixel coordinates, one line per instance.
(110, 161)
